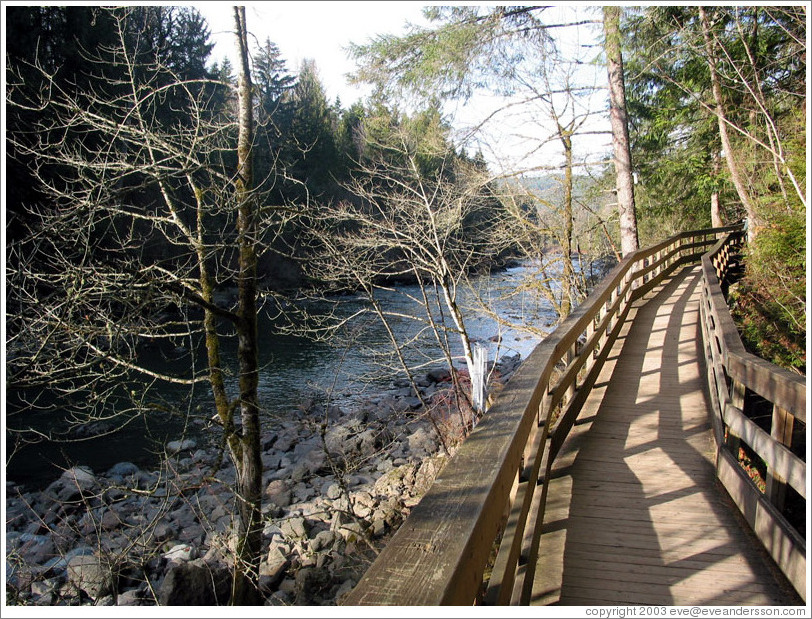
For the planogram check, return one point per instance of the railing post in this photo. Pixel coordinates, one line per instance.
(569, 356)
(782, 426)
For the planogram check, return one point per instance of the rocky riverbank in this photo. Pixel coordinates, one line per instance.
(337, 484)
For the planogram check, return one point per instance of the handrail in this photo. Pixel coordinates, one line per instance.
(496, 482)
(732, 371)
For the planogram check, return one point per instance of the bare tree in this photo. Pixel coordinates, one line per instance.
(546, 109)
(146, 220)
(417, 214)
(247, 458)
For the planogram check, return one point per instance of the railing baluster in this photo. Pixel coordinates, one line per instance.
(737, 399)
(781, 431)
(569, 357)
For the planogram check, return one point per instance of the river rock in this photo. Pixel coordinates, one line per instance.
(193, 534)
(74, 484)
(310, 584)
(131, 597)
(379, 461)
(426, 472)
(80, 475)
(439, 375)
(350, 531)
(195, 583)
(285, 441)
(271, 461)
(273, 567)
(173, 447)
(368, 442)
(336, 437)
(36, 549)
(122, 469)
(79, 551)
(90, 574)
(110, 520)
(164, 531)
(181, 552)
(293, 528)
(334, 491)
(49, 586)
(378, 527)
(422, 443)
(323, 540)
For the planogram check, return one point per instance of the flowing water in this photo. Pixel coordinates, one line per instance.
(296, 369)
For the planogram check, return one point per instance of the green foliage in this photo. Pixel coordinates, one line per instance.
(770, 303)
(674, 137)
(674, 130)
(274, 118)
(311, 143)
(467, 48)
(679, 157)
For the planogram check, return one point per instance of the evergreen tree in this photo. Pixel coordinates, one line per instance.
(314, 160)
(274, 117)
(349, 138)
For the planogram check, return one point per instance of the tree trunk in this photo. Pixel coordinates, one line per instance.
(732, 165)
(568, 272)
(620, 131)
(716, 208)
(249, 469)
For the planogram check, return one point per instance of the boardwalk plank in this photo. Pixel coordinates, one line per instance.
(635, 512)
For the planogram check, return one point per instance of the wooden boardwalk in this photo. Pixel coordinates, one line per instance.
(634, 513)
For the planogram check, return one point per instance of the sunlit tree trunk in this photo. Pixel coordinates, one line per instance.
(620, 131)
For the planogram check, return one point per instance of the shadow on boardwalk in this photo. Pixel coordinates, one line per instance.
(634, 513)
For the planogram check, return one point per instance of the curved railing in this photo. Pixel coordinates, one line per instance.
(737, 381)
(495, 484)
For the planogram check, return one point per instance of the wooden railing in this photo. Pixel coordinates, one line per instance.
(496, 483)
(738, 383)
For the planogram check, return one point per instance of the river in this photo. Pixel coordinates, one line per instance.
(295, 368)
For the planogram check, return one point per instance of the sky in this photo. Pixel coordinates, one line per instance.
(322, 31)
(312, 30)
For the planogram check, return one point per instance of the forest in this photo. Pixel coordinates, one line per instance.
(155, 198)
